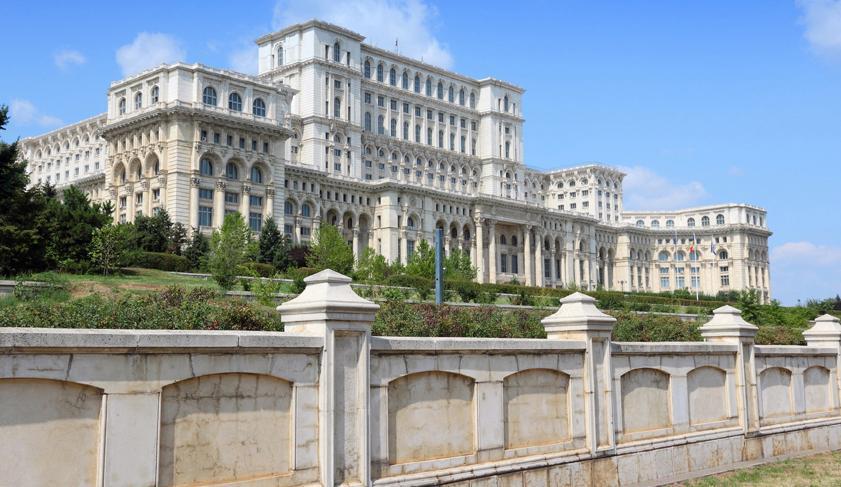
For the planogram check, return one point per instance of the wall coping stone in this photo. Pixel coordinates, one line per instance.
(670, 348)
(96, 340)
(798, 350)
(422, 344)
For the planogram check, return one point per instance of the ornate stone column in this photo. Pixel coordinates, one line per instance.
(328, 308)
(269, 202)
(527, 259)
(538, 259)
(162, 188)
(492, 251)
(553, 269)
(245, 201)
(579, 319)
(478, 250)
(219, 205)
(728, 326)
(356, 252)
(194, 202)
(130, 203)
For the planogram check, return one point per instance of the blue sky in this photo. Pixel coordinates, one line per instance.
(703, 102)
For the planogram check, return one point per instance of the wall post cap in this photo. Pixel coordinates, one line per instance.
(827, 328)
(328, 296)
(578, 312)
(727, 322)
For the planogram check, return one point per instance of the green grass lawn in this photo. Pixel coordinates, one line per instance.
(818, 470)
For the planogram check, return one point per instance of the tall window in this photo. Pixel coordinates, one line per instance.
(723, 255)
(505, 103)
(337, 108)
(405, 81)
(121, 106)
(209, 96)
(380, 125)
(287, 208)
(417, 133)
(205, 216)
(367, 121)
(428, 87)
(235, 102)
(255, 221)
(405, 130)
(507, 149)
(473, 100)
(705, 221)
(393, 128)
(280, 56)
(231, 171)
(305, 210)
(461, 97)
(206, 167)
(155, 94)
(138, 101)
(450, 95)
(719, 220)
(256, 175)
(392, 77)
(337, 52)
(440, 90)
(690, 223)
(417, 83)
(380, 72)
(259, 107)
(367, 71)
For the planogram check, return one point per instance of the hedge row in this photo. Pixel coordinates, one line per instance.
(161, 261)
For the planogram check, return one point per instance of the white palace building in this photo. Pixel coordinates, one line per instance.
(387, 148)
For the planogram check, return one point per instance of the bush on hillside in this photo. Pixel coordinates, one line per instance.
(161, 261)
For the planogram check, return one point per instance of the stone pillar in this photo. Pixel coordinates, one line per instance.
(553, 271)
(492, 252)
(538, 260)
(579, 319)
(194, 202)
(298, 222)
(245, 203)
(826, 333)
(329, 308)
(448, 241)
(728, 326)
(219, 205)
(404, 247)
(130, 203)
(269, 204)
(527, 260)
(479, 251)
(162, 188)
(356, 252)
(147, 197)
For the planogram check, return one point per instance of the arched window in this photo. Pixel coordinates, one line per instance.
(259, 107)
(157, 167)
(206, 167)
(663, 256)
(670, 223)
(450, 95)
(392, 77)
(440, 90)
(723, 255)
(507, 149)
(121, 106)
(380, 72)
(694, 255)
(410, 222)
(367, 121)
(705, 221)
(502, 240)
(428, 86)
(719, 220)
(337, 108)
(288, 208)
(417, 84)
(655, 223)
(155, 94)
(209, 96)
(231, 171)
(514, 240)
(461, 97)
(337, 52)
(305, 210)
(380, 125)
(405, 81)
(393, 127)
(235, 102)
(256, 175)
(138, 101)
(367, 71)
(505, 103)
(680, 256)
(472, 100)
(405, 130)
(417, 133)
(690, 223)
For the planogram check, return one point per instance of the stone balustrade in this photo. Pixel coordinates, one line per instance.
(325, 403)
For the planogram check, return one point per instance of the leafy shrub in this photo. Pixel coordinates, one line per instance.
(259, 269)
(401, 319)
(264, 290)
(632, 327)
(392, 294)
(467, 291)
(161, 261)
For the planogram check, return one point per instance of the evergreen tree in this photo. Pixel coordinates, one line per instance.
(422, 261)
(457, 265)
(330, 251)
(177, 239)
(153, 232)
(270, 240)
(71, 223)
(196, 252)
(22, 237)
(227, 249)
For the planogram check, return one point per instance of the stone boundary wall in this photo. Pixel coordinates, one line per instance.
(325, 403)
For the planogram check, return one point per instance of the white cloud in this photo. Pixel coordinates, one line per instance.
(68, 57)
(148, 50)
(805, 270)
(23, 112)
(381, 21)
(244, 58)
(822, 22)
(646, 190)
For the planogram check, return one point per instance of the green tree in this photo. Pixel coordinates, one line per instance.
(109, 246)
(748, 302)
(422, 261)
(373, 267)
(153, 232)
(177, 239)
(329, 250)
(22, 236)
(227, 249)
(71, 221)
(197, 250)
(457, 266)
(270, 241)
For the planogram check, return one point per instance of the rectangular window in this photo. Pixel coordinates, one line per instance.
(255, 200)
(515, 268)
(254, 145)
(229, 140)
(405, 108)
(287, 229)
(217, 137)
(266, 147)
(417, 111)
(205, 216)
(232, 198)
(393, 105)
(503, 263)
(367, 98)
(255, 221)
(305, 231)
(156, 194)
(242, 142)
(205, 194)
(381, 101)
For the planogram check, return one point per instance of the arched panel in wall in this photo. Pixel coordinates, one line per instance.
(707, 395)
(645, 400)
(49, 422)
(775, 390)
(536, 408)
(224, 427)
(817, 385)
(430, 415)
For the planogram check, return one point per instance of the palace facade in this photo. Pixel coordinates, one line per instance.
(386, 148)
